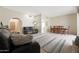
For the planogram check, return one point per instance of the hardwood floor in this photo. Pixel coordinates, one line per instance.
(55, 43)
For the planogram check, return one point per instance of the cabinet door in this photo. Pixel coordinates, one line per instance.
(12, 26)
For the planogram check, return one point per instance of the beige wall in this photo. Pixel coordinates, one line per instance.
(78, 24)
(37, 19)
(66, 20)
(6, 15)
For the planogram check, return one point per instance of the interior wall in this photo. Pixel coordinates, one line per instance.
(65, 20)
(37, 20)
(6, 15)
(78, 24)
(27, 21)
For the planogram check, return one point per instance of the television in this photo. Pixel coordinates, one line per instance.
(27, 30)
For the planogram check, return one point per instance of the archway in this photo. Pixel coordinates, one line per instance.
(15, 25)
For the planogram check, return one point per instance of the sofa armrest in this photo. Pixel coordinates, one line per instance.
(28, 48)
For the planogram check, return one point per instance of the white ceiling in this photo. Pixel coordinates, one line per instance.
(44, 10)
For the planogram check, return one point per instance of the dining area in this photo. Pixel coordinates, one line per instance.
(59, 29)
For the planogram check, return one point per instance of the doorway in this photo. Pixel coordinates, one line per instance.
(15, 25)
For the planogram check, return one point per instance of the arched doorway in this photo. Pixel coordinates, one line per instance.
(15, 25)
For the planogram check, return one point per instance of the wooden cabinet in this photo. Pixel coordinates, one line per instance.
(15, 25)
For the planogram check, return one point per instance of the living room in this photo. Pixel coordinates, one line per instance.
(34, 17)
(37, 23)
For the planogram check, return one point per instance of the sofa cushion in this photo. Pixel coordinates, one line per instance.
(20, 39)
